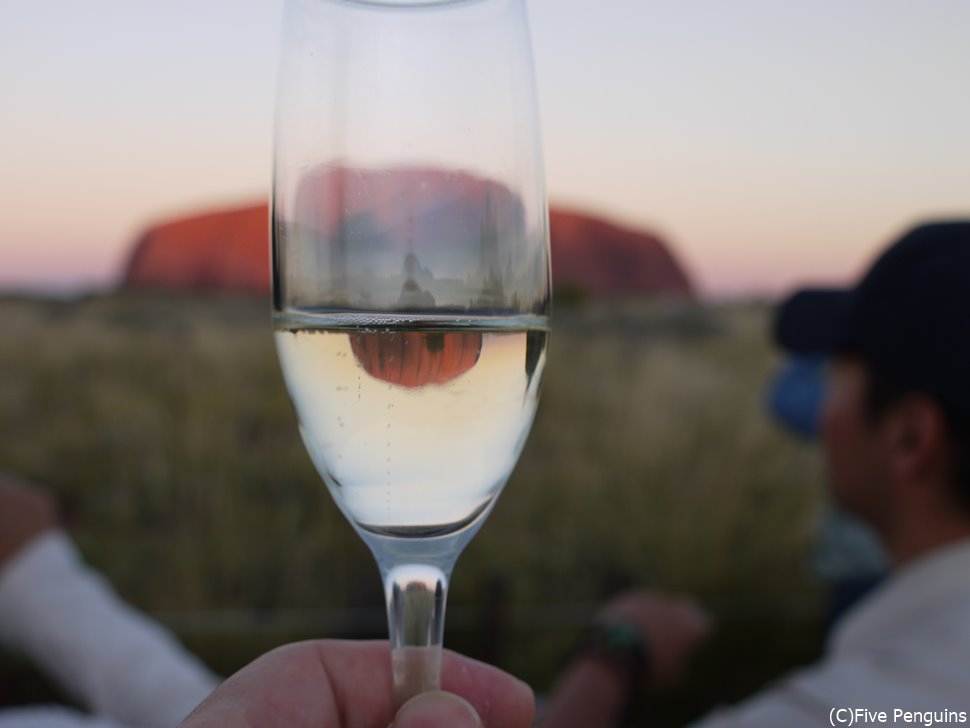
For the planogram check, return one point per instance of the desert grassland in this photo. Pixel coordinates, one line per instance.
(162, 424)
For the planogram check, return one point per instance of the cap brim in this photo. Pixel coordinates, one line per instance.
(813, 321)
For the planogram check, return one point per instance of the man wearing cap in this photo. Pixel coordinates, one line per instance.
(896, 434)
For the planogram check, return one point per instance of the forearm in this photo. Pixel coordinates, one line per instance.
(69, 621)
(590, 692)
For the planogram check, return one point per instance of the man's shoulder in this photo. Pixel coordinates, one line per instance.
(896, 678)
(906, 647)
(920, 605)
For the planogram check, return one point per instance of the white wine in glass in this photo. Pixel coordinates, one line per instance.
(411, 278)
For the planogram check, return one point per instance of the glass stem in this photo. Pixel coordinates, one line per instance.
(416, 596)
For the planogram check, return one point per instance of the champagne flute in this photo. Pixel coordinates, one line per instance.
(411, 278)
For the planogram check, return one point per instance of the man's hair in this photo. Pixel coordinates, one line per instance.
(884, 392)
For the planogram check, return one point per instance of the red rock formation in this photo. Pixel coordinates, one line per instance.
(230, 251)
(603, 259)
(222, 251)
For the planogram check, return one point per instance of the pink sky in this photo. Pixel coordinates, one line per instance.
(770, 145)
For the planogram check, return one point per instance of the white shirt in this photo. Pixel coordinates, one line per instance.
(129, 671)
(905, 647)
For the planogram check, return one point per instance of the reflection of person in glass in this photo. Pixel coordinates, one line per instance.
(896, 435)
(411, 239)
(413, 296)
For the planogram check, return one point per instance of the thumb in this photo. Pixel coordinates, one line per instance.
(437, 710)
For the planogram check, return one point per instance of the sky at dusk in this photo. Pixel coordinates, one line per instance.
(771, 142)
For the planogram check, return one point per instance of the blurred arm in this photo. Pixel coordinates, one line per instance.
(590, 692)
(595, 688)
(68, 620)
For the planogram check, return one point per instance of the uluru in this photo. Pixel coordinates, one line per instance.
(598, 257)
(228, 250)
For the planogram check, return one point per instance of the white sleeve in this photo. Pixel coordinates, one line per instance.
(803, 699)
(51, 717)
(71, 624)
(779, 707)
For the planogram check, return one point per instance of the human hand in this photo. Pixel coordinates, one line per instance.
(671, 627)
(342, 684)
(25, 512)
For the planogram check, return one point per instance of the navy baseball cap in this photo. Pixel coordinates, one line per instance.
(908, 318)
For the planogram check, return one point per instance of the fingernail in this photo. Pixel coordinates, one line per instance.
(437, 710)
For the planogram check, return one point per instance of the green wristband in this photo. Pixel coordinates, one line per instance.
(622, 645)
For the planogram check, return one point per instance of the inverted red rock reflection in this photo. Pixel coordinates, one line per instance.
(415, 359)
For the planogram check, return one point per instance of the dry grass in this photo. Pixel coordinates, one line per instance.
(163, 426)
(652, 458)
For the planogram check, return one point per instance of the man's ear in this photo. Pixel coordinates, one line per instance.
(915, 439)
